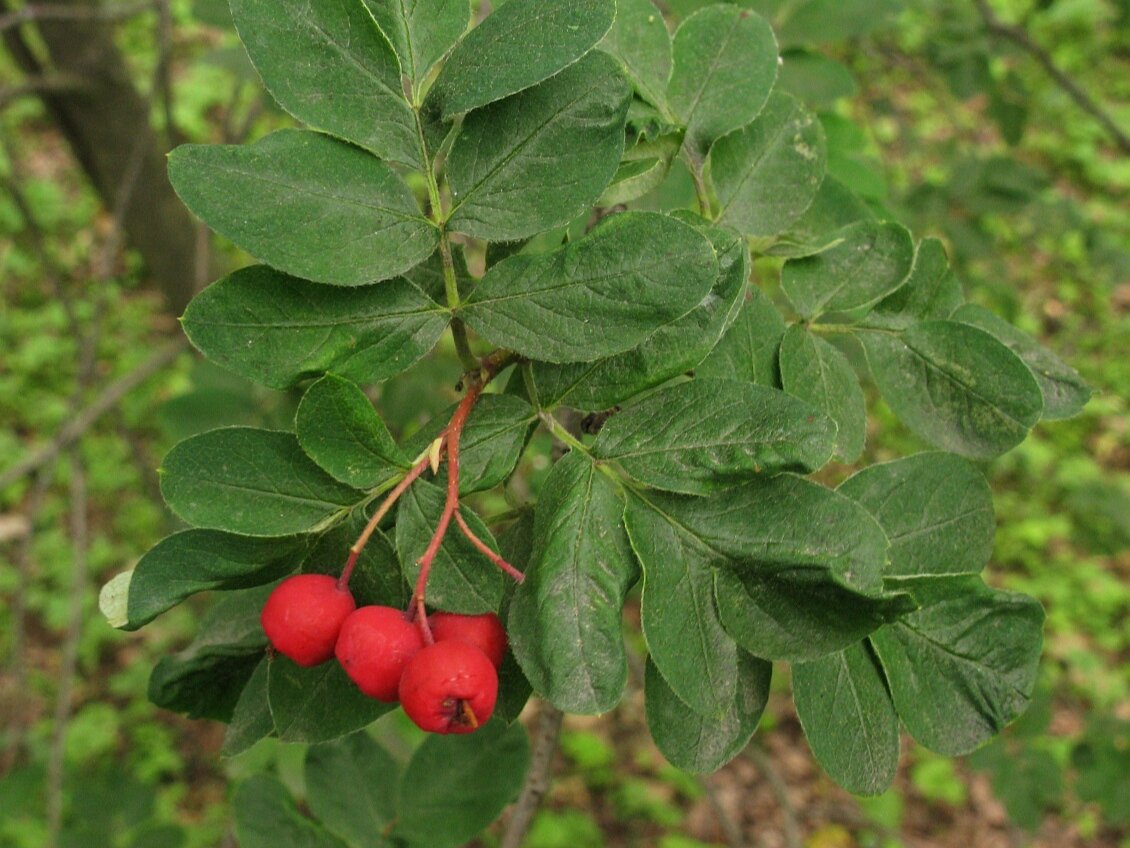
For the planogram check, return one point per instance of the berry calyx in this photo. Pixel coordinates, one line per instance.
(374, 646)
(303, 615)
(449, 687)
(484, 631)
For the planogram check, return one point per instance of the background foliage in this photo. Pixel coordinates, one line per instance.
(962, 134)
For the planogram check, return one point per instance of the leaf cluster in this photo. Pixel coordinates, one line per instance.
(512, 140)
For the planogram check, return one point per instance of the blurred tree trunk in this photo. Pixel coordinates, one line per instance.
(106, 122)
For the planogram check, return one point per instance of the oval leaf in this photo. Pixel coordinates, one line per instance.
(306, 204)
(522, 43)
(1065, 392)
(955, 386)
(769, 172)
(725, 64)
(704, 435)
(304, 51)
(565, 619)
(351, 787)
(339, 429)
(267, 817)
(932, 291)
(668, 352)
(936, 509)
(538, 159)
(454, 786)
(640, 41)
(964, 665)
(577, 304)
(815, 371)
(748, 350)
(421, 32)
(696, 743)
(252, 482)
(198, 560)
(278, 330)
(849, 719)
(870, 261)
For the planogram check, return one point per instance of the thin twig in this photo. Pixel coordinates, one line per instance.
(1082, 99)
(162, 73)
(537, 781)
(780, 792)
(69, 665)
(18, 657)
(89, 415)
(730, 828)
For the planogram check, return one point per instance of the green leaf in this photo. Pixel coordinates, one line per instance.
(696, 657)
(455, 786)
(491, 442)
(565, 619)
(251, 719)
(206, 678)
(1065, 392)
(318, 704)
(522, 43)
(820, 227)
(306, 204)
(955, 386)
(668, 352)
(330, 66)
(462, 579)
(640, 41)
(251, 482)
(376, 578)
(198, 560)
(642, 170)
(824, 21)
(351, 787)
(748, 350)
(931, 292)
(964, 665)
(815, 371)
(870, 262)
(598, 296)
(339, 429)
(701, 744)
(768, 173)
(725, 64)
(278, 330)
(814, 78)
(266, 817)
(704, 435)
(849, 719)
(536, 160)
(936, 509)
(422, 31)
(797, 569)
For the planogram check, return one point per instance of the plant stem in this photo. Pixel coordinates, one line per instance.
(559, 432)
(485, 550)
(451, 504)
(451, 291)
(382, 511)
(536, 784)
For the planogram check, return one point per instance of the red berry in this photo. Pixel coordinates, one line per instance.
(449, 687)
(374, 645)
(485, 632)
(303, 615)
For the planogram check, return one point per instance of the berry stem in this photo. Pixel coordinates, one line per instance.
(485, 550)
(382, 511)
(450, 507)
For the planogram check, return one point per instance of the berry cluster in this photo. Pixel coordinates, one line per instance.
(445, 674)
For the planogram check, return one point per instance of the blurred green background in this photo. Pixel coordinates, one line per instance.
(948, 113)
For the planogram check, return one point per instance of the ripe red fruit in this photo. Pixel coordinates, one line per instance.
(484, 631)
(449, 687)
(303, 615)
(373, 647)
